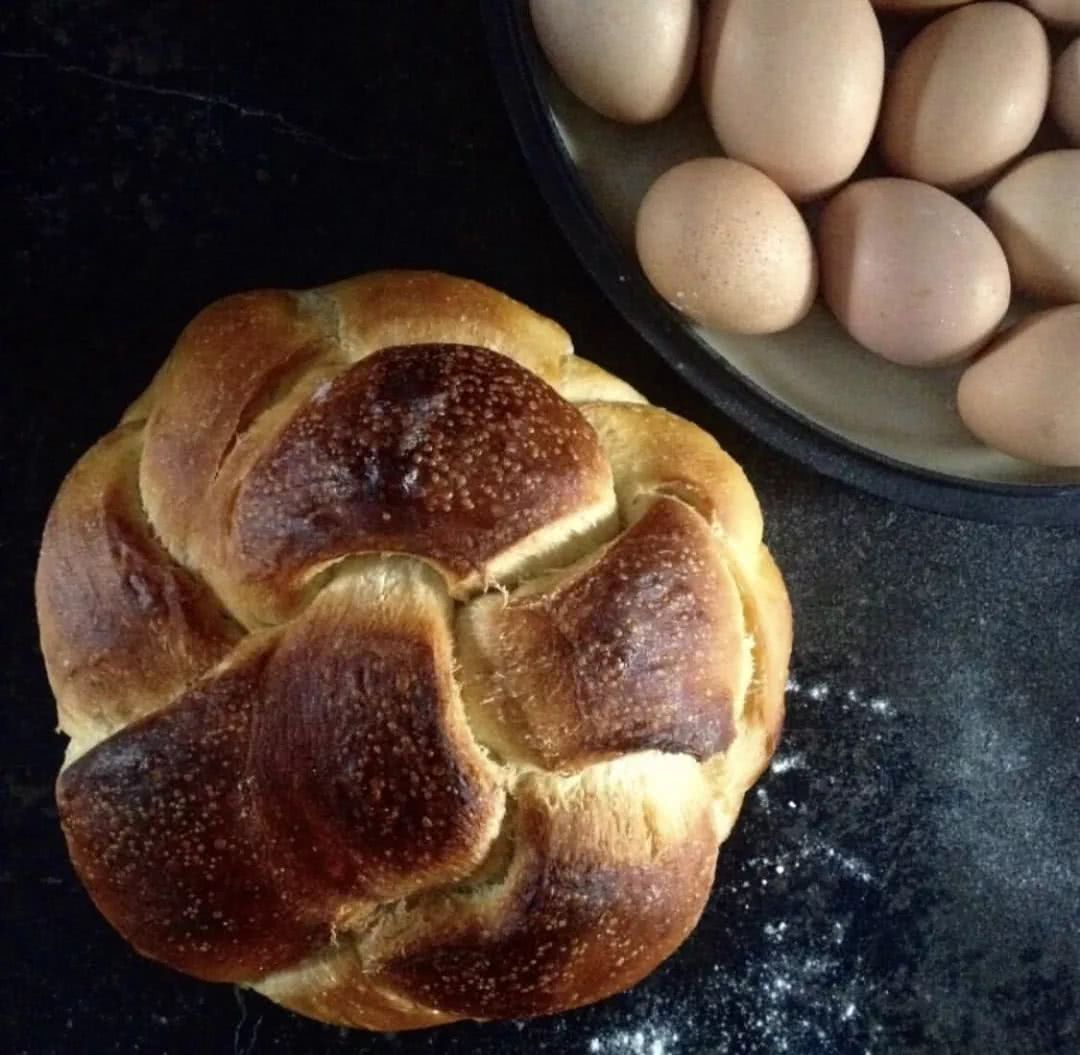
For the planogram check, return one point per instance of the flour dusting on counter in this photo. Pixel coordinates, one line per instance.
(780, 951)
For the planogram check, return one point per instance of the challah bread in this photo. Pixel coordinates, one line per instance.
(414, 668)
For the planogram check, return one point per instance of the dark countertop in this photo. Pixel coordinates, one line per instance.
(907, 878)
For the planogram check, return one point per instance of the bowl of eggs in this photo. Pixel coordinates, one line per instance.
(854, 225)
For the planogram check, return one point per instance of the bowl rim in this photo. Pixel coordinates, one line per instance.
(516, 60)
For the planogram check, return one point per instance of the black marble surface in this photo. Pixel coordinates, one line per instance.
(907, 876)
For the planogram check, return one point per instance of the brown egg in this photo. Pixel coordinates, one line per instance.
(1065, 96)
(1064, 14)
(723, 243)
(966, 95)
(910, 272)
(628, 59)
(912, 6)
(1035, 213)
(1023, 395)
(794, 88)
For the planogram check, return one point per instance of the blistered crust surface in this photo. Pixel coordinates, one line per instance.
(414, 668)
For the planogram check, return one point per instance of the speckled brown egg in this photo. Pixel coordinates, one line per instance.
(1065, 95)
(1023, 396)
(628, 59)
(794, 88)
(721, 242)
(1035, 213)
(966, 95)
(910, 272)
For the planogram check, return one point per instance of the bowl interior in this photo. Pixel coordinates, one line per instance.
(815, 370)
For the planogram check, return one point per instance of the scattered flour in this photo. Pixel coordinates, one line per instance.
(777, 963)
(649, 1040)
(819, 691)
(786, 763)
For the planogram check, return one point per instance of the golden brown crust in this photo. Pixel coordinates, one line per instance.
(767, 612)
(286, 790)
(229, 363)
(415, 450)
(389, 309)
(229, 833)
(609, 875)
(123, 627)
(641, 650)
(581, 381)
(335, 986)
(371, 784)
(158, 827)
(770, 612)
(653, 451)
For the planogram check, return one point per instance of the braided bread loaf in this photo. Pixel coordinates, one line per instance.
(414, 668)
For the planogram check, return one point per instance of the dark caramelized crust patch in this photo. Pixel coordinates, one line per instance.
(644, 649)
(445, 452)
(226, 833)
(367, 779)
(158, 820)
(124, 628)
(607, 881)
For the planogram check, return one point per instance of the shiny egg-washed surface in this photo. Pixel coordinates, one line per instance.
(414, 667)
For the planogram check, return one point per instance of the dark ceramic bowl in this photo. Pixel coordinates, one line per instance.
(811, 392)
